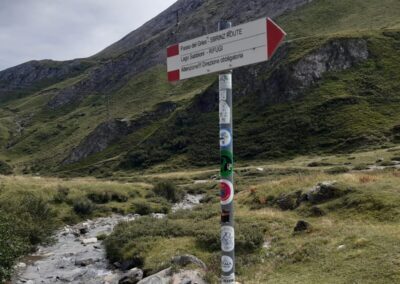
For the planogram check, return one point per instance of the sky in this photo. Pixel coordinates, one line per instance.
(67, 29)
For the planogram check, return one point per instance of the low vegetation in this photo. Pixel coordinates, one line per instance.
(354, 223)
(352, 237)
(32, 208)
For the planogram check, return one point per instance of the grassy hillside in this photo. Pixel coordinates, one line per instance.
(324, 17)
(345, 111)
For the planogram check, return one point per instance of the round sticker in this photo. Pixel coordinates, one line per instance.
(228, 279)
(227, 238)
(226, 263)
(225, 138)
(226, 192)
(226, 163)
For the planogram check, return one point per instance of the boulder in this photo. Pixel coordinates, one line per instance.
(162, 277)
(84, 261)
(188, 277)
(302, 226)
(89, 241)
(128, 264)
(289, 201)
(20, 265)
(184, 260)
(325, 191)
(315, 211)
(133, 276)
(83, 229)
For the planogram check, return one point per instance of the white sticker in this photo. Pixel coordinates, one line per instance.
(227, 238)
(225, 138)
(225, 81)
(226, 263)
(224, 113)
(222, 95)
(228, 279)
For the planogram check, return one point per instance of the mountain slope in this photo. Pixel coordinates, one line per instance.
(335, 90)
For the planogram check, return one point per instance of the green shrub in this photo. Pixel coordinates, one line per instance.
(360, 167)
(142, 208)
(26, 219)
(337, 170)
(169, 191)
(318, 164)
(5, 169)
(387, 163)
(36, 218)
(83, 206)
(102, 197)
(12, 244)
(61, 195)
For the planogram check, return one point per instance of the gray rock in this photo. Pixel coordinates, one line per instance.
(83, 229)
(20, 265)
(315, 211)
(162, 277)
(188, 277)
(89, 241)
(133, 276)
(325, 191)
(184, 260)
(289, 201)
(84, 261)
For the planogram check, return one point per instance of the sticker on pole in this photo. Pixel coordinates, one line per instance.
(226, 263)
(242, 45)
(226, 164)
(226, 192)
(223, 95)
(225, 138)
(225, 81)
(225, 216)
(227, 238)
(224, 112)
(228, 279)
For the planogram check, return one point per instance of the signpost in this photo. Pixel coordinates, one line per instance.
(229, 48)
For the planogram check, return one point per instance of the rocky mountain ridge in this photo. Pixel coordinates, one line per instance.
(100, 114)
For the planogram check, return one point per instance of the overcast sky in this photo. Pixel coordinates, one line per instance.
(67, 29)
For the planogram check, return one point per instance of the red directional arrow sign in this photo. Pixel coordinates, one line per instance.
(275, 36)
(231, 48)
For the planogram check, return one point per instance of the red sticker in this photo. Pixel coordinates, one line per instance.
(226, 192)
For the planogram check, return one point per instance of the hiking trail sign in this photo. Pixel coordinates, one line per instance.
(222, 51)
(227, 49)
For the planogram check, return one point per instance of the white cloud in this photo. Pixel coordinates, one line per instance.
(67, 29)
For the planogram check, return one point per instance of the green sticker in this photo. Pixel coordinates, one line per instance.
(226, 163)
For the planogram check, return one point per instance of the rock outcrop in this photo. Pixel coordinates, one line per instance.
(43, 73)
(101, 137)
(290, 81)
(109, 132)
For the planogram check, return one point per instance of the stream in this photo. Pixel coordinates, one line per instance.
(77, 256)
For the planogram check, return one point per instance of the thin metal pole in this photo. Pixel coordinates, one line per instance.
(226, 183)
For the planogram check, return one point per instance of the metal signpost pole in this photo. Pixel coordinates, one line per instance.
(226, 184)
(227, 49)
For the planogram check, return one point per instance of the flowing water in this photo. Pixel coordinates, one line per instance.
(77, 256)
